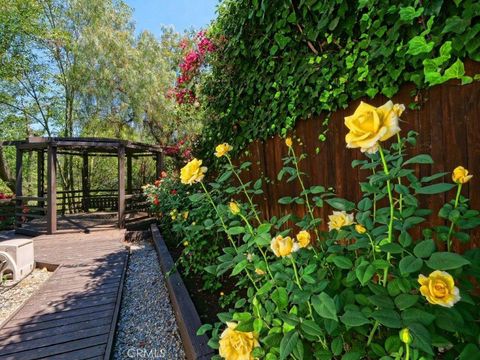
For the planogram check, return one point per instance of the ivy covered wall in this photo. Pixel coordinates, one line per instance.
(278, 61)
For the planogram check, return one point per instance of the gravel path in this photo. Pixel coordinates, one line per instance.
(147, 327)
(11, 299)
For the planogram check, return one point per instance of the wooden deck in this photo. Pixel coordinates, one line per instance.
(73, 315)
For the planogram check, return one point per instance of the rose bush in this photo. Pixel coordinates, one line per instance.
(379, 284)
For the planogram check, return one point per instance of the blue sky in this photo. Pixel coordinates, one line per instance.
(182, 14)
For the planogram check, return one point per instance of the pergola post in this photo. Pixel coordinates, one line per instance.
(85, 183)
(18, 187)
(121, 186)
(40, 177)
(129, 174)
(159, 164)
(52, 189)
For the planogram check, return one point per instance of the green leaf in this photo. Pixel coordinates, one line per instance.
(392, 248)
(337, 346)
(354, 318)
(418, 45)
(424, 248)
(236, 230)
(365, 204)
(264, 228)
(281, 40)
(456, 71)
(421, 338)
(364, 272)
(419, 159)
(387, 317)
(286, 200)
(342, 262)
(352, 355)
(317, 189)
(311, 328)
(196, 197)
(409, 13)
(325, 306)
(280, 298)
(469, 352)
(404, 301)
(239, 267)
(410, 264)
(446, 261)
(288, 343)
(436, 188)
(382, 301)
(203, 329)
(413, 315)
(341, 204)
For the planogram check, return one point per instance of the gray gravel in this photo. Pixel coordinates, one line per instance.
(147, 328)
(12, 298)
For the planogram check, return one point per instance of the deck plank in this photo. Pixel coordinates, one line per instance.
(72, 316)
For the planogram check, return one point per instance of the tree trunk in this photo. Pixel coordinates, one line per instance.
(5, 173)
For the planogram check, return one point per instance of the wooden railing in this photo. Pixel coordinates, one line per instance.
(98, 200)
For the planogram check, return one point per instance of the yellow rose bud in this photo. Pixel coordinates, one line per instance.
(185, 215)
(222, 150)
(288, 142)
(234, 208)
(405, 336)
(259, 271)
(282, 246)
(185, 243)
(237, 345)
(368, 125)
(303, 238)
(460, 175)
(192, 172)
(360, 229)
(339, 219)
(439, 288)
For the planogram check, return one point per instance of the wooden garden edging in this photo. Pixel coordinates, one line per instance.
(188, 321)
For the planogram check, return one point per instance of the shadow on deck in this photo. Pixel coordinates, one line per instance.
(74, 314)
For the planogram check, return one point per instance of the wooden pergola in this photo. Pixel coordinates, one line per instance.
(46, 201)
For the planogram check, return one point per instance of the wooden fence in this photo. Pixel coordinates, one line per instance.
(448, 122)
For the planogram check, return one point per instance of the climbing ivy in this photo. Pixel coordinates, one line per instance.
(279, 61)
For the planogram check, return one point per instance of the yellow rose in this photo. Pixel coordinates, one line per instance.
(237, 345)
(339, 219)
(282, 246)
(185, 243)
(222, 150)
(303, 238)
(259, 271)
(369, 125)
(460, 175)
(193, 172)
(405, 336)
(288, 142)
(185, 215)
(360, 229)
(439, 288)
(234, 208)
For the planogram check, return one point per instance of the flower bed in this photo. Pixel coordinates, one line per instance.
(381, 283)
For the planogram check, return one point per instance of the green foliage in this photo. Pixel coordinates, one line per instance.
(348, 294)
(281, 61)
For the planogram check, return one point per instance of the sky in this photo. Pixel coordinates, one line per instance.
(182, 14)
